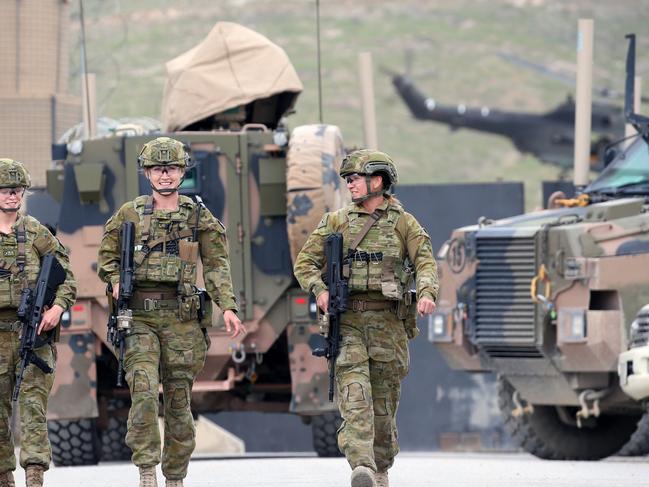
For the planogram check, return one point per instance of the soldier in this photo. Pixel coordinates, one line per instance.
(23, 241)
(171, 232)
(380, 316)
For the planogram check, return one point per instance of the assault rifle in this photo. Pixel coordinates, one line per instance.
(120, 319)
(338, 293)
(33, 302)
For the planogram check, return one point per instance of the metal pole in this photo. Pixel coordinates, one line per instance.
(317, 10)
(583, 103)
(367, 99)
(89, 101)
(86, 90)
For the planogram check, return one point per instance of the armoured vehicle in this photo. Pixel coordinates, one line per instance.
(547, 301)
(270, 190)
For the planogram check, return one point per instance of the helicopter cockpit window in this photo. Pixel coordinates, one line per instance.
(629, 168)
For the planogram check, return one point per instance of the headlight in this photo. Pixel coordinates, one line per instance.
(572, 325)
(440, 327)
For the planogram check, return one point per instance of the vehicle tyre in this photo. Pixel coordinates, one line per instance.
(638, 444)
(75, 442)
(545, 434)
(113, 437)
(325, 434)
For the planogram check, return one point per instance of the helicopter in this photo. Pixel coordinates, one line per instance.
(549, 136)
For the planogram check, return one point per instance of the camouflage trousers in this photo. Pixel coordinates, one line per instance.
(34, 391)
(162, 349)
(372, 362)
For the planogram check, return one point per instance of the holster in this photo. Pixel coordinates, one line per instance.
(407, 313)
(205, 309)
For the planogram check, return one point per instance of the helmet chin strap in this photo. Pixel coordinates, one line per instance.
(166, 191)
(10, 210)
(370, 194)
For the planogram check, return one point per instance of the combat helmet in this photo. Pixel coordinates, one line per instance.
(366, 162)
(163, 151)
(13, 174)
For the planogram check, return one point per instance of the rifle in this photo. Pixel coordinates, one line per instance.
(120, 319)
(33, 302)
(338, 287)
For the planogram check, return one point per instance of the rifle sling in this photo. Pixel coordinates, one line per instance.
(374, 217)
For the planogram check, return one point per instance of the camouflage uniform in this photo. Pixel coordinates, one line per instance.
(167, 343)
(374, 355)
(36, 385)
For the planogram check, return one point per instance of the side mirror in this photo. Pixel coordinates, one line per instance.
(609, 155)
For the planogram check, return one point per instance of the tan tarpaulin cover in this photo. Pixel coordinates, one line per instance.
(312, 181)
(232, 66)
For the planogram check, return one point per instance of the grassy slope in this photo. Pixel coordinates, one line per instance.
(128, 43)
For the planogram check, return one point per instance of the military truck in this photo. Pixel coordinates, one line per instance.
(546, 300)
(269, 189)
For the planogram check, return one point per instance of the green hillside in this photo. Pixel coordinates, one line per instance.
(129, 42)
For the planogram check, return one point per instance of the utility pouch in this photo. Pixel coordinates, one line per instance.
(188, 307)
(374, 273)
(204, 309)
(8, 289)
(358, 277)
(390, 286)
(188, 251)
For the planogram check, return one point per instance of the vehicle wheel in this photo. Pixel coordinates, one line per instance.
(638, 444)
(113, 437)
(547, 434)
(325, 434)
(74, 442)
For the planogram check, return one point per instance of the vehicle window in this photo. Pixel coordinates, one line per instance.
(628, 168)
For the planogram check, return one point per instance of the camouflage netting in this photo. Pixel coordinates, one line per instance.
(231, 67)
(312, 182)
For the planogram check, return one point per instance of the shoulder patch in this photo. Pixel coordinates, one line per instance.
(323, 221)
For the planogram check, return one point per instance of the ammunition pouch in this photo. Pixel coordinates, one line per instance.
(374, 271)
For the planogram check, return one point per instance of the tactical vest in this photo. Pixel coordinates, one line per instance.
(19, 263)
(166, 246)
(379, 261)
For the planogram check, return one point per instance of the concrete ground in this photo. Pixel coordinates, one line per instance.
(411, 470)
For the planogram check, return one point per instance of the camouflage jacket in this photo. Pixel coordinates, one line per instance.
(39, 241)
(213, 246)
(413, 240)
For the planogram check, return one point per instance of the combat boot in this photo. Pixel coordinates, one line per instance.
(174, 483)
(363, 477)
(148, 477)
(34, 475)
(7, 479)
(382, 479)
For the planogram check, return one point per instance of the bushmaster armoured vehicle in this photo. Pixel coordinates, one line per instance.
(270, 190)
(547, 299)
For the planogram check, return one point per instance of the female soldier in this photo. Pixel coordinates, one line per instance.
(379, 238)
(23, 241)
(171, 232)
